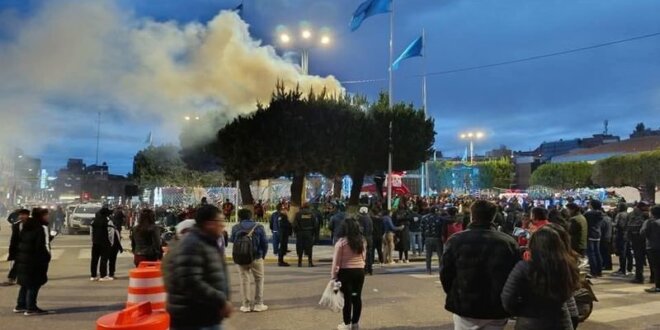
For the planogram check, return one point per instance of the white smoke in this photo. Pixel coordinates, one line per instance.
(95, 55)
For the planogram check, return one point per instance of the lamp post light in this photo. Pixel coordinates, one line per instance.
(307, 38)
(471, 136)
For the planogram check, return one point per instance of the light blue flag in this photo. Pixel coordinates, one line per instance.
(414, 49)
(367, 9)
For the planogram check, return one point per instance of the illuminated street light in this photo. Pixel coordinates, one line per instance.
(307, 38)
(325, 40)
(471, 136)
(197, 118)
(285, 38)
(306, 34)
(186, 118)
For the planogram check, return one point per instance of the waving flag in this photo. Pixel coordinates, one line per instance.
(368, 9)
(414, 49)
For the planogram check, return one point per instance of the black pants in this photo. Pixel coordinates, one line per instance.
(27, 297)
(639, 253)
(654, 261)
(98, 254)
(112, 261)
(304, 243)
(378, 246)
(283, 247)
(12, 272)
(403, 254)
(625, 254)
(369, 265)
(352, 280)
(432, 245)
(606, 254)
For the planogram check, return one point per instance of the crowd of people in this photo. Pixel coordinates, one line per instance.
(531, 276)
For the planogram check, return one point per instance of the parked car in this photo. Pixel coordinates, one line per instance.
(81, 218)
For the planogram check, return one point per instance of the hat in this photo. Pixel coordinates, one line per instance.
(183, 226)
(364, 210)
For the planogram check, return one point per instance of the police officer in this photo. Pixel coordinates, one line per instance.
(305, 226)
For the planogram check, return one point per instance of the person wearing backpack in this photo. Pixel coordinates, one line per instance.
(633, 230)
(249, 250)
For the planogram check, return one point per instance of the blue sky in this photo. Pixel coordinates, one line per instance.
(519, 105)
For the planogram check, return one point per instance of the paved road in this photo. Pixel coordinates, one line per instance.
(397, 297)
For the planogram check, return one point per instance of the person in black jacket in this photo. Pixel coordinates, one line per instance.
(474, 284)
(196, 277)
(431, 226)
(594, 218)
(537, 290)
(305, 225)
(32, 260)
(379, 231)
(651, 231)
(16, 228)
(101, 246)
(367, 229)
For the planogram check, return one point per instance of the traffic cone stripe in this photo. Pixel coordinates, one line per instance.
(145, 282)
(152, 290)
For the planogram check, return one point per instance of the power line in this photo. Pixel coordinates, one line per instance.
(525, 59)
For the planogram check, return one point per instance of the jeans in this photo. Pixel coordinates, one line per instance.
(432, 245)
(276, 243)
(606, 254)
(97, 253)
(256, 270)
(352, 281)
(416, 242)
(212, 327)
(27, 298)
(595, 259)
(639, 253)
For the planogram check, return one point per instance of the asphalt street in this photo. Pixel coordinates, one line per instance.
(396, 297)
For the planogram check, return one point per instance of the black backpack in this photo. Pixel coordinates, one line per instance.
(243, 250)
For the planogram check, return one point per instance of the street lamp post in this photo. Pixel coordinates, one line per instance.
(471, 137)
(307, 37)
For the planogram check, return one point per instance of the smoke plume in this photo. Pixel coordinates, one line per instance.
(94, 55)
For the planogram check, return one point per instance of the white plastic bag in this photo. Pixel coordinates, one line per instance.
(331, 299)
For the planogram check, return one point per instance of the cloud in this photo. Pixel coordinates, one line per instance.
(96, 56)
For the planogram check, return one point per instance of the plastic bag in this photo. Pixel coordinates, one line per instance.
(331, 299)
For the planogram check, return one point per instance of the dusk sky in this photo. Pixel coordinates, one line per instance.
(518, 105)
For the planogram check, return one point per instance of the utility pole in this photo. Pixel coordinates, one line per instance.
(98, 137)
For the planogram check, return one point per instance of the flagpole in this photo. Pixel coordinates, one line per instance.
(426, 165)
(391, 104)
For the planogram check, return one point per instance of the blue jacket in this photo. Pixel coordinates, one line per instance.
(258, 237)
(335, 223)
(388, 224)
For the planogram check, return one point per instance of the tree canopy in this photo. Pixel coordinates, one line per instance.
(563, 175)
(161, 166)
(496, 173)
(640, 170)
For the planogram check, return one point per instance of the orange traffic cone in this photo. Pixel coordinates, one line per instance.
(145, 284)
(136, 317)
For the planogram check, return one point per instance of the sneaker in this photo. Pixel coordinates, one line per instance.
(637, 281)
(283, 264)
(20, 310)
(34, 312)
(630, 273)
(355, 327)
(93, 279)
(343, 326)
(107, 279)
(260, 308)
(406, 261)
(652, 290)
(245, 309)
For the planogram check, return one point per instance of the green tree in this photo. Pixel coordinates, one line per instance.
(640, 170)
(563, 175)
(440, 174)
(497, 173)
(159, 166)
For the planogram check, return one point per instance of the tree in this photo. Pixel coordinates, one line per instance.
(640, 128)
(563, 175)
(440, 174)
(159, 166)
(641, 170)
(496, 173)
(413, 137)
